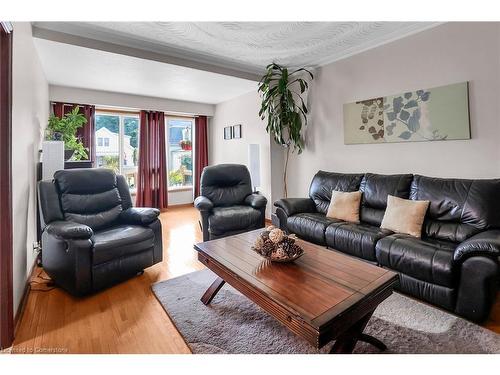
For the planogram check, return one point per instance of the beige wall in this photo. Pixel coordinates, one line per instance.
(242, 110)
(30, 108)
(446, 54)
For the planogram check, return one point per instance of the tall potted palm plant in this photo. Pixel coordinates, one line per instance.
(283, 105)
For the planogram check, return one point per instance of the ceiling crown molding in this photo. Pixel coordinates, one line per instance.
(240, 49)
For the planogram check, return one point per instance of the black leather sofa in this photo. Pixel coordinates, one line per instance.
(455, 264)
(92, 236)
(227, 205)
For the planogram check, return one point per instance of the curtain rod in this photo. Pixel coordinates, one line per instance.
(130, 110)
(136, 112)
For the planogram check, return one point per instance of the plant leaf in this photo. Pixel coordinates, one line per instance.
(414, 121)
(391, 116)
(411, 104)
(404, 115)
(405, 135)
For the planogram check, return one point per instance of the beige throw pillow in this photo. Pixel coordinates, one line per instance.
(344, 206)
(404, 216)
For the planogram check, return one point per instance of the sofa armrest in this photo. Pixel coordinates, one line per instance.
(256, 200)
(203, 203)
(139, 215)
(293, 206)
(69, 230)
(485, 243)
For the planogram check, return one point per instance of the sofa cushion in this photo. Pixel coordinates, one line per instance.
(376, 188)
(225, 219)
(324, 183)
(459, 208)
(310, 226)
(345, 206)
(355, 239)
(119, 241)
(424, 259)
(404, 216)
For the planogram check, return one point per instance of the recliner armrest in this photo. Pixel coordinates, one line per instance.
(203, 203)
(139, 215)
(256, 200)
(293, 206)
(69, 230)
(484, 243)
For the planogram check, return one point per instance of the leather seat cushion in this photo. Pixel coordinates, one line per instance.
(355, 239)
(423, 259)
(310, 226)
(225, 219)
(120, 241)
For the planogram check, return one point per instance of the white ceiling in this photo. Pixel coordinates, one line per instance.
(247, 45)
(74, 66)
(240, 46)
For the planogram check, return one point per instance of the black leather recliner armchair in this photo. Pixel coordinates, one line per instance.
(92, 236)
(227, 204)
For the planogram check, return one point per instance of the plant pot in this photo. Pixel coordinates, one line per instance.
(68, 154)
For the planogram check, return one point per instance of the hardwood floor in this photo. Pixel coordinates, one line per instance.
(126, 318)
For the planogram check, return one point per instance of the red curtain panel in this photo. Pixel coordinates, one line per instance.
(152, 187)
(200, 150)
(87, 132)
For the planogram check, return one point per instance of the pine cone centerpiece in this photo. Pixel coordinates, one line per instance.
(275, 245)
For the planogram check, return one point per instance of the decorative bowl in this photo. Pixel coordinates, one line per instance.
(284, 260)
(276, 246)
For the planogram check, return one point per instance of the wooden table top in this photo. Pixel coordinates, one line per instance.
(315, 289)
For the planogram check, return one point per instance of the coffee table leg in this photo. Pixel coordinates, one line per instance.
(372, 340)
(347, 341)
(209, 295)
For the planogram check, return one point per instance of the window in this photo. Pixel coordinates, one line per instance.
(179, 152)
(118, 144)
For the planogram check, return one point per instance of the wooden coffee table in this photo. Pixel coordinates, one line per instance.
(323, 296)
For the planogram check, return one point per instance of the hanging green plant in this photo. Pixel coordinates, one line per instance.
(65, 128)
(284, 107)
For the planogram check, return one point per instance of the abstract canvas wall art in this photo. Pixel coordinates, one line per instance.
(435, 114)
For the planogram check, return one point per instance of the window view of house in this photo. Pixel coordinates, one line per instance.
(118, 144)
(180, 154)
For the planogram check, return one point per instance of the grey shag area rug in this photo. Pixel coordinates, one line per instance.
(234, 324)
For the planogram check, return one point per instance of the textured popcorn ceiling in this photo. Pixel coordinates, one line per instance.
(247, 46)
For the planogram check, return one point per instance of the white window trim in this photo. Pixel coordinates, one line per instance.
(182, 118)
(121, 131)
